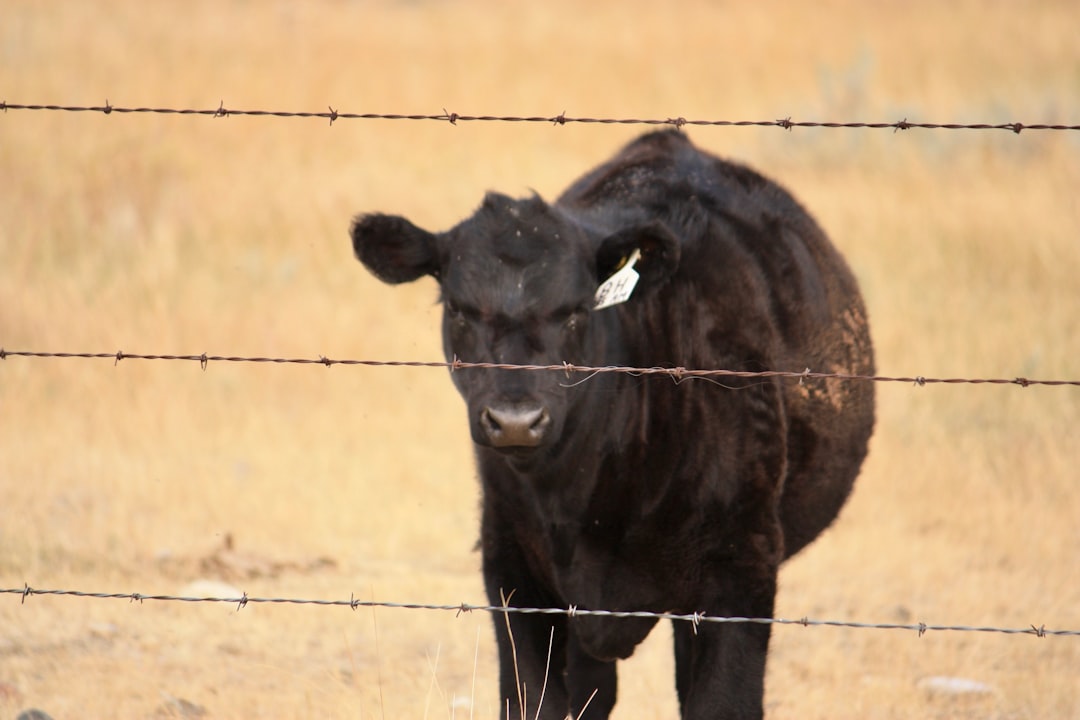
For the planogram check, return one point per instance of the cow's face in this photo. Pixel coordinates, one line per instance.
(518, 281)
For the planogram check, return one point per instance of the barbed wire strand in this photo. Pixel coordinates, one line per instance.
(677, 374)
(695, 618)
(562, 118)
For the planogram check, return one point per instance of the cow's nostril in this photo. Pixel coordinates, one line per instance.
(489, 423)
(540, 425)
(515, 425)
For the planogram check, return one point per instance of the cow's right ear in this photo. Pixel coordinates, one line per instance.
(393, 249)
(659, 253)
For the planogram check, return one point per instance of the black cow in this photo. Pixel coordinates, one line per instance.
(629, 492)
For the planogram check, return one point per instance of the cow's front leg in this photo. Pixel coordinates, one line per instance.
(532, 647)
(720, 671)
(720, 667)
(532, 664)
(591, 683)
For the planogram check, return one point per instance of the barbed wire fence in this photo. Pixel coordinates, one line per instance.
(676, 374)
(696, 619)
(561, 118)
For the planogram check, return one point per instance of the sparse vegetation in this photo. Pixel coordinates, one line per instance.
(176, 234)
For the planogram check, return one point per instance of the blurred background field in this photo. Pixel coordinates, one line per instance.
(170, 234)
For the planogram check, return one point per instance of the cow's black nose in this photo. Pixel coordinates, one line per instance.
(515, 425)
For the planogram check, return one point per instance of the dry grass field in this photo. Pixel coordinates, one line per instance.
(174, 234)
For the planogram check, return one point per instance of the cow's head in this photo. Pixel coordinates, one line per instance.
(518, 281)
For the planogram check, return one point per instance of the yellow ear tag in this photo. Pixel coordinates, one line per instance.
(617, 288)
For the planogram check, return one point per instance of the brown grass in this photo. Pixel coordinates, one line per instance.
(172, 234)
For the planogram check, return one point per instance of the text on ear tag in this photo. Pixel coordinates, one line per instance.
(617, 288)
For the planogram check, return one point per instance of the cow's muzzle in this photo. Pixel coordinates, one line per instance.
(516, 425)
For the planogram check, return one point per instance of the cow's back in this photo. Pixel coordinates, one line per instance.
(759, 287)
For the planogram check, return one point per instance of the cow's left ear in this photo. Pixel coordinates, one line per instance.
(659, 254)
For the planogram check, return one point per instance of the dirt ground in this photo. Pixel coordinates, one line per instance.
(148, 233)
